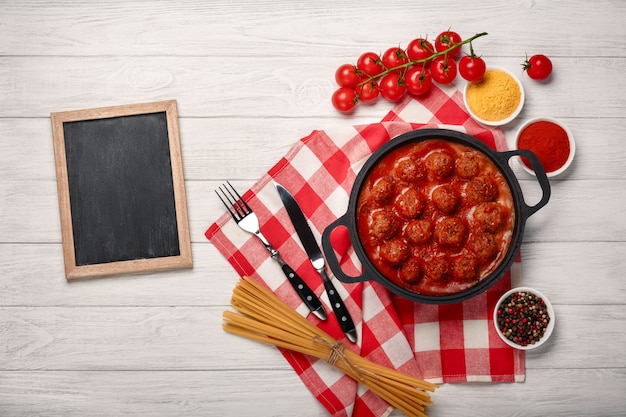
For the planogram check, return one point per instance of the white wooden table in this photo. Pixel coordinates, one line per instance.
(250, 78)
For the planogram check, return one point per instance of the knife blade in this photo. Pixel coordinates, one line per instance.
(316, 258)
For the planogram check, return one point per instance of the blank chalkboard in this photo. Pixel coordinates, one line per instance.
(121, 189)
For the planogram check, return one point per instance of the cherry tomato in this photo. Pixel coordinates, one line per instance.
(447, 40)
(368, 92)
(370, 64)
(443, 70)
(472, 68)
(391, 87)
(419, 48)
(347, 76)
(394, 57)
(418, 80)
(538, 67)
(344, 99)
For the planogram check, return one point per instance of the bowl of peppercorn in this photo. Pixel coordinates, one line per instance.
(524, 318)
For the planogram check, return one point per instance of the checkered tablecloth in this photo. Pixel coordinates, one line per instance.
(439, 343)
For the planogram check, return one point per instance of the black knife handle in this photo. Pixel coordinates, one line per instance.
(339, 307)
(304, 291)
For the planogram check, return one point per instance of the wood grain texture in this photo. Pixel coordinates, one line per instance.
(250, 78)
(187, 338)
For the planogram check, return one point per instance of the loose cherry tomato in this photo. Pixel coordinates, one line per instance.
(394, 57)
(447, 40)
(347, 76)
(344, 99)
(368, 92)
(472, 68)
(538, 67)
(370, 64)
(418, 80)
(419, 48)
(443, 70)
(391, 87)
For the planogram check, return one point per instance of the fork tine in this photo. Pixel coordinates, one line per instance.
(238, 203)
(233, 202)
(223, 197)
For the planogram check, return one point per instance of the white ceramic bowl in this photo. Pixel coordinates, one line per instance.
(502, 121)
(570, 136)
(549, 329)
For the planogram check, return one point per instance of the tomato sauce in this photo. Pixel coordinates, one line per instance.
(435, 217)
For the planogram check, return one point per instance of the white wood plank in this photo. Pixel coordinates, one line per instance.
(29, 281)
(163, 394)
(130, 338)
(267, 86)
(284, 28)
(187, 338)
(561, 393)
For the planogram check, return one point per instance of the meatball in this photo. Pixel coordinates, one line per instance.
(468, 165)
(410, 271)
(440, 164)
(395, 251)
(445, 199)
(383, 224)
(409, 170)
(481, 189)
(410, 204)
(484, 246)
(465, 268)
(437, 269)
(419, 231)
(450, 232)
(488, 217)
(383, 190)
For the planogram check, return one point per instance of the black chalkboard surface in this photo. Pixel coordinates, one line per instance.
(121, 189)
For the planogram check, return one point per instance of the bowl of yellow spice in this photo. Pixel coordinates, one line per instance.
(496, 99)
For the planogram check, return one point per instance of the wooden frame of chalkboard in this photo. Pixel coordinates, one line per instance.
(121, 189)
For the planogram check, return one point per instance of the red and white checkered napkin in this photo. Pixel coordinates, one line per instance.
(448, 343)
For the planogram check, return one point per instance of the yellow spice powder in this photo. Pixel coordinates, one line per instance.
(495, 97)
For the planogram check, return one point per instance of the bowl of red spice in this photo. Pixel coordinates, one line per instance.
(524, 318)
(550, 140)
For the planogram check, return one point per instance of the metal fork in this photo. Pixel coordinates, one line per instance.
(247, 220)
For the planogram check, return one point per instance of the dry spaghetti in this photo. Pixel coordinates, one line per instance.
(265, 318)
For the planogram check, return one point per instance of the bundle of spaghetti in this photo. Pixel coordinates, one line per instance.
(263, 317)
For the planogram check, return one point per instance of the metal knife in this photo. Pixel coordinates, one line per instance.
(312, 249)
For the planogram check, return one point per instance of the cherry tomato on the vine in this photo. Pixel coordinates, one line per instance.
(538, 67)
(443, 70)
(447, 40)
(344, 99)
(391, 87)
(419, 48)
(472, 68)
(370, 64)
(418, 80)
(394, 57)
(347, 75)
(368, 92)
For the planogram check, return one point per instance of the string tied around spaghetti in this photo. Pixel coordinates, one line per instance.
(336, 353)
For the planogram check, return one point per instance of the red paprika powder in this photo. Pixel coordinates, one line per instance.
(548, 141)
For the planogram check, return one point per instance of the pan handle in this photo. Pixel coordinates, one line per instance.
(331, 256)
(540, 174)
